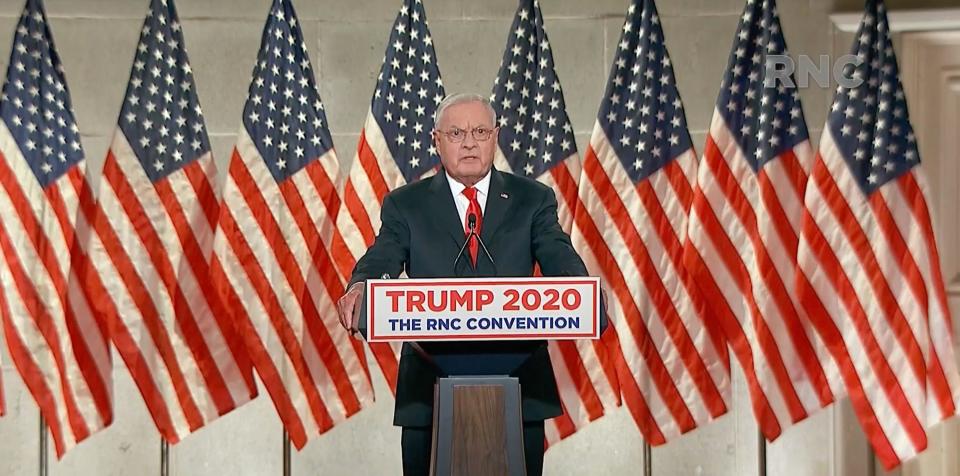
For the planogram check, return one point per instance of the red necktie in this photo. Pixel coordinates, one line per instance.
(473, 208)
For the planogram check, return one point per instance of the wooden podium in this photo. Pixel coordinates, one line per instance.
(477, 420)
(477, 427)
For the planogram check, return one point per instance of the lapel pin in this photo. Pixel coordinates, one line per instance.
(504, 195)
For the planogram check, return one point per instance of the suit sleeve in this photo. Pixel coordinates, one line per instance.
(390, 249)
(552, 247)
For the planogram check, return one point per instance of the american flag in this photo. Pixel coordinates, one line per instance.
(536, 140)
(873, 285)
(395, 146)
(271, 262)
(744, 226)
(55, 340)
(635, 194)
(153, 235)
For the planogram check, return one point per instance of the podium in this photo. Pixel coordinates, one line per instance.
(477, 426)
(477, 413)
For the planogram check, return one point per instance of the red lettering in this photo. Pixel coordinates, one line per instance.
(552, 297)
(531, 300)
(461, 301)
(512, 296)
(394, 299)
(432, 302)
(415, 300)
(571, 299)
(484, 297)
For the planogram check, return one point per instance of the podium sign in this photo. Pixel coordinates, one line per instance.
(561, 308)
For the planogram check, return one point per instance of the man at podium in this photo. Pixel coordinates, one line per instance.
(423, 229)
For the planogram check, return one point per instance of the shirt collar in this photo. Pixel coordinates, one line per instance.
(483, 186)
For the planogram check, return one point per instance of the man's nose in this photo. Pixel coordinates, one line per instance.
(469, 142)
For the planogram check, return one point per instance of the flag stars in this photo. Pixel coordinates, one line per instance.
(408, 90)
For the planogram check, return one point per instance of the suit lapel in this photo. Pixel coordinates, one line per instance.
(498, 205)
(448, 219)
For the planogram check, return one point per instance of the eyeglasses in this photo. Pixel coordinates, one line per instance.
(479, 134)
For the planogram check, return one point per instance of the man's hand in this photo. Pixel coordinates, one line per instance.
(348, 308)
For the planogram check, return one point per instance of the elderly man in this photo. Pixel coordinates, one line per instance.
(424, 225)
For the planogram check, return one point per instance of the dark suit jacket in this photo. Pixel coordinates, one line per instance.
(421, 234)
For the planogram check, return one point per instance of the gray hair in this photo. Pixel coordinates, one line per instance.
(460, 98)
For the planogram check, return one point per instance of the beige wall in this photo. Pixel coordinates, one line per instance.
(346, 38)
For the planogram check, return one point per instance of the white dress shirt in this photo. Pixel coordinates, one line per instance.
(456, 188)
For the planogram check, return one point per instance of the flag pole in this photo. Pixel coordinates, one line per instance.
(44, 469)
(164, 457)
(871, 461)
(287, 470)
(647, 459)
(761, 454)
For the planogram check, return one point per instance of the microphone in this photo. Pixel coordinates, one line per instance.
(487, 252)
(472, 227)
(472, 223)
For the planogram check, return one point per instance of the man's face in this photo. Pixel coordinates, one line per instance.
(466, 159)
